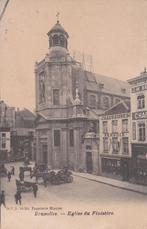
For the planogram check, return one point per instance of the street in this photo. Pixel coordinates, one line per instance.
(66, 204)
(80, 191)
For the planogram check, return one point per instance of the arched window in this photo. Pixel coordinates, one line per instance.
(140, 102)
(55, 40)
(62, 40)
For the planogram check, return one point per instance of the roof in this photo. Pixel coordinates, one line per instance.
(123, 106)
(26, 114)
(58, 28)
(98, 82)
(141, 78)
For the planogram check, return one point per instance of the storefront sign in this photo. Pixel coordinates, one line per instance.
(139, 115)
(115, 116)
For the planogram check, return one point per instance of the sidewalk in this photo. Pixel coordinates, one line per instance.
(115, 183)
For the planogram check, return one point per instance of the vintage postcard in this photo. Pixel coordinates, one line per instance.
(73, 114)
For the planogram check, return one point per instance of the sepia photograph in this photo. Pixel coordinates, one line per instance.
(73, 114)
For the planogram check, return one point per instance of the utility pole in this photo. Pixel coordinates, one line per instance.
(4, 9)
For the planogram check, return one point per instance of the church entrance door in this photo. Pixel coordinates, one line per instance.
(89, 162)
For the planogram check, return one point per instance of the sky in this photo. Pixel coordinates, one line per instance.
(113, 32)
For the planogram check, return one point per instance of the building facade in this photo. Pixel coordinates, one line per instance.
(115, 150)
(16, 131)
(68, 102)
(139, 125)
(5, 143)
(22, 134)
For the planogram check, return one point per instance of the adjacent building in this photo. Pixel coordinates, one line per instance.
(5, 143)
(115, 148)
(22, 134)
(139, 125)
(16, 131)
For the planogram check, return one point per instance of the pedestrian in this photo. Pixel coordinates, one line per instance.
(2, 198)
(9, 176)
(18, 197)
(21, 176)
(13, 170)
(35, 189)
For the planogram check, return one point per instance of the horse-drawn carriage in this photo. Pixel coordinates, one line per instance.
(24, 186)
(54, 177)
(59, 177)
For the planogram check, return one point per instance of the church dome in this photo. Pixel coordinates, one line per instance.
(58, 37)
(58, 28)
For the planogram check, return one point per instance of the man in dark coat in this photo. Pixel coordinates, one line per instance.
(35, 189)
(18, 197)
(21, 175)
(2, 198)
(9, 176)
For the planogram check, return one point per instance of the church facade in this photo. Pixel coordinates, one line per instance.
(69, 100)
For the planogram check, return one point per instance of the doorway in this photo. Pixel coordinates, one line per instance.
(89, 162)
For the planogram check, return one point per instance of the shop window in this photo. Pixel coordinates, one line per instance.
(125, 125)
(56, 137)
(115, 145)
(140, 102)
(105, 127)
(92, 102)
(71, 137)
(114, 126)
(106, 102)
(134, 130)
(125, 144)
(141, 131)
(105, 145)
(56, 97)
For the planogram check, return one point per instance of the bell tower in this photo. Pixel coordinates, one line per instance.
(58, 36)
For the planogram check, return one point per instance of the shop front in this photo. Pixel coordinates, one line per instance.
(139, 163)
(116, 167)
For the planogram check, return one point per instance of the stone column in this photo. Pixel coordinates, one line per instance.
(77, 148)
(50, 149)
(64, 147)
